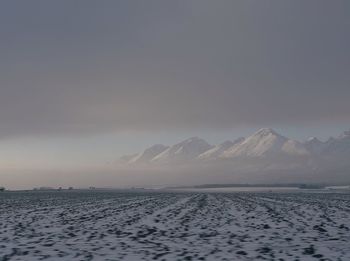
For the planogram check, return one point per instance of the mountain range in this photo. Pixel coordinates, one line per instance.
(265, 149)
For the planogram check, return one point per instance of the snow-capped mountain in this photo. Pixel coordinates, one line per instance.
(315, 146)
(218, 150)
(264, 150)
(266, 143)
(338, 148)
(148, 154)
(184, 151)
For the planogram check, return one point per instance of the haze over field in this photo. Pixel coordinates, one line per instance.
(83, 83)
(264, 157)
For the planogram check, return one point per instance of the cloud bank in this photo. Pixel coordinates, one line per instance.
(79, 68)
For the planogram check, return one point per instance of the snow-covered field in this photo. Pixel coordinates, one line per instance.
(111, 225)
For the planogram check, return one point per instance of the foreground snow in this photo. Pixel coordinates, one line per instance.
(174, 226)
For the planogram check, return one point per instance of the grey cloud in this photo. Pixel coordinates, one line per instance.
(84, 67)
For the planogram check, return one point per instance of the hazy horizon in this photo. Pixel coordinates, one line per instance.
(85, 82)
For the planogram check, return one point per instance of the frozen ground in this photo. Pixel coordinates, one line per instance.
(174, 226)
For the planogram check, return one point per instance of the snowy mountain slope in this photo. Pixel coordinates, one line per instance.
(338, 147)
(293, 147)
(184, 151)
(264, 143)
(264, 150)
(149, 154)
(315, 146)
(218, 150)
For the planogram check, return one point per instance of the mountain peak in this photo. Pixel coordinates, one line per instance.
(265, 132)
(185, 150)
(216, 151)
(313, 140)
(265, 142)
(193, 141)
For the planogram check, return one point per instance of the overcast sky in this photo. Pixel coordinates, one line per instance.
(118, 75)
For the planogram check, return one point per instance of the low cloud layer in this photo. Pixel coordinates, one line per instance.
(119, 66)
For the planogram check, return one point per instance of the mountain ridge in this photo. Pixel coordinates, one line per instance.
(265, 145)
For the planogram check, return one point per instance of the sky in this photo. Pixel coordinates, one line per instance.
(83, 82)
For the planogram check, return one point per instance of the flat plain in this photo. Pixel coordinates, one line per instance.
(160, 225)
